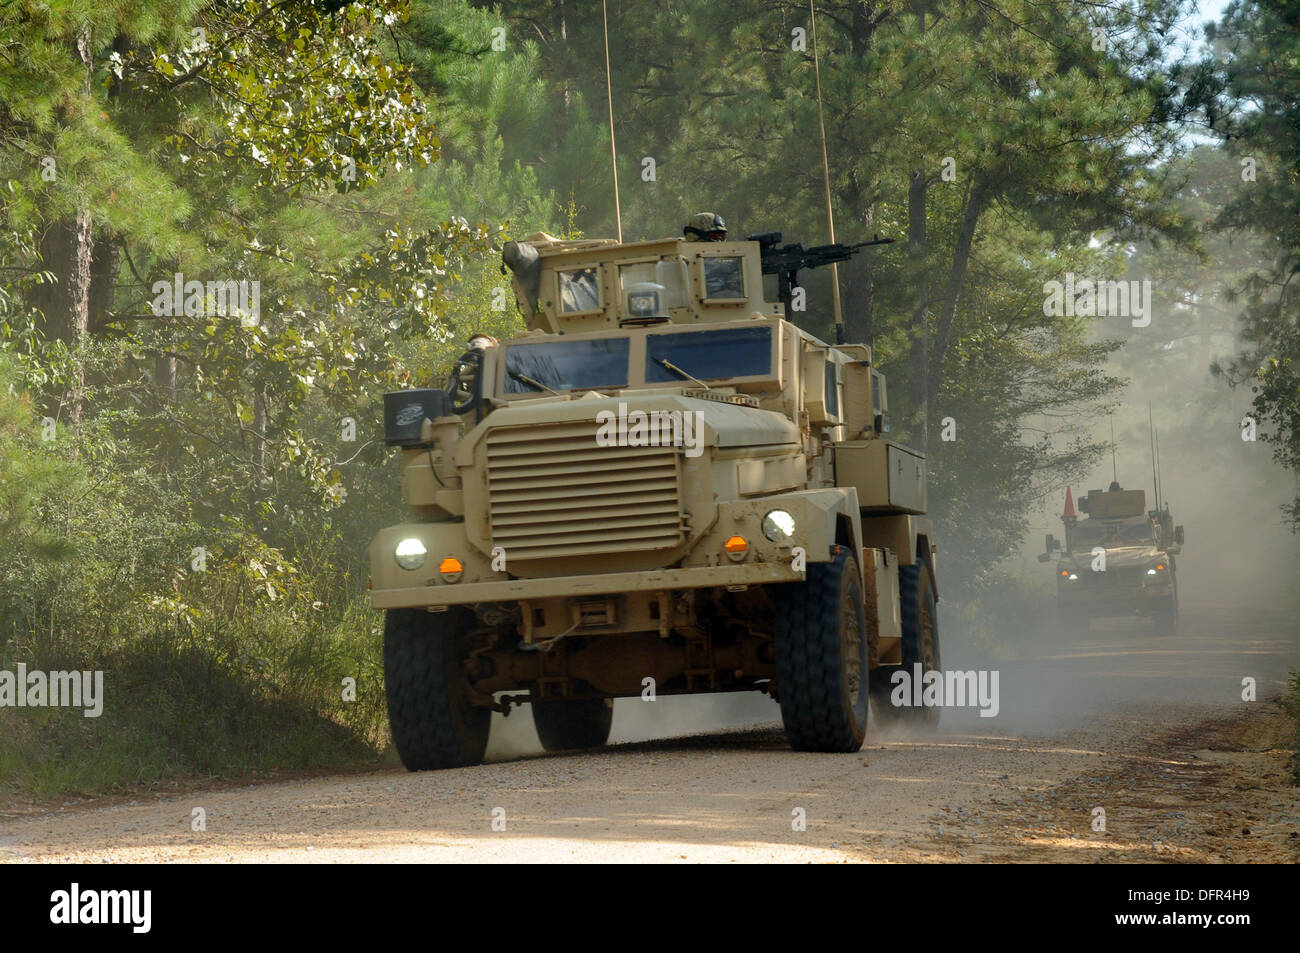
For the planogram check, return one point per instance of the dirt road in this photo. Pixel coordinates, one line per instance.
(1151, 730)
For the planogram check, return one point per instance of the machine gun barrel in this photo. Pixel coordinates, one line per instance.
(793, 257)
(785, 261)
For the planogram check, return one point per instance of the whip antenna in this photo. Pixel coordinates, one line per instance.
(1158, 480)
(1155, 468)
(826, 178)
(613, 156)
(1114, 471)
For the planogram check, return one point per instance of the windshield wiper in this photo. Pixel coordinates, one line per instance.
(532, 383)
(681, 373)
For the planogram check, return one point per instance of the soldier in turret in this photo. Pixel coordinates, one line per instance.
(705, 227)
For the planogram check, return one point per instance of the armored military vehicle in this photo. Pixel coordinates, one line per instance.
(1118, 561)
(663, 487)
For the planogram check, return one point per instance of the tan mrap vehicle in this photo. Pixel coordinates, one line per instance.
(1118, 561)
(663, 487)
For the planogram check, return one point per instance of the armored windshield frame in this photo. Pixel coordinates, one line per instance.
(639, 347)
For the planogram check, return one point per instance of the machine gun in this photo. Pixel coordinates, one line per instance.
(785, 261)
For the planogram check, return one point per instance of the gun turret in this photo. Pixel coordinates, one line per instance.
(786, 261)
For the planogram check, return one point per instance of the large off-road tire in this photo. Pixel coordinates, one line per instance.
(1166, 613)
(821, 657)
(920, 630)
(433, 724)
(573, 724)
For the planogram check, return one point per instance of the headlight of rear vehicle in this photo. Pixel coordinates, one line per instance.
(410, 553)
(778, 526)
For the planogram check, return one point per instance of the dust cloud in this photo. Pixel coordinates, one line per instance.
(1237, 571)
(638, 720)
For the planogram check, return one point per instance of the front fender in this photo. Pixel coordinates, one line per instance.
(818, 516)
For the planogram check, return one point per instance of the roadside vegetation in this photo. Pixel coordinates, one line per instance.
(188, 488)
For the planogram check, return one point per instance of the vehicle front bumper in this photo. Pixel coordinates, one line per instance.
(510, 590)
(1094, 600)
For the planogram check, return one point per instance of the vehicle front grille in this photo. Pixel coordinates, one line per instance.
(553, 491)
(1123, 577)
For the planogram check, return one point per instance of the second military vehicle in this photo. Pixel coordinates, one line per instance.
(1119, 561)
(663, 487)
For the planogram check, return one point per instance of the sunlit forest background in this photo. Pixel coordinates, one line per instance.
(186, 499)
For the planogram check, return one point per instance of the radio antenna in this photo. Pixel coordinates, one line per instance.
(1114, 470)
(613, 155)
(826, 178)
(1159, 488)
(1155, 469)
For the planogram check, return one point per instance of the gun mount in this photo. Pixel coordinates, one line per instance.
(786, 261)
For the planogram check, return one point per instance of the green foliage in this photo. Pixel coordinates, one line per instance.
(1008, 618)
(33, 481)
(225, 157)
(1250, 95)
(364, 164)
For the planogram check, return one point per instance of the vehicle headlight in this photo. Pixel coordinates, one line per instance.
(778, 526)
(1067, 575)
(1151, 572)
(410, 553)
(645, 304)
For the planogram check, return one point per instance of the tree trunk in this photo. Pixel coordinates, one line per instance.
(918, 247)
(104, 258)
(66, 252)
(976, 196)
(260, 424)
(858, 272)
(859, 279)
(859, 290)
(65, 249)
(863, 22)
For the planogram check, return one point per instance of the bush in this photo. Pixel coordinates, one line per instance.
(1290, 701)
(235, 669)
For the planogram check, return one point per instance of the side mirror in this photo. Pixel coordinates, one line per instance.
(882, 423)
(1053, 544)
(1044, 557)
(405, 412)
(1178, 535)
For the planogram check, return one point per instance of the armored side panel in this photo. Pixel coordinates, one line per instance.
(888, 477)
(1116, 504)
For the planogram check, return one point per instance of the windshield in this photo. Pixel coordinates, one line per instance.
(566, 365)
(710, 355)
(1136, 532)
(1090, 533)
(723, 279)
(579, 290)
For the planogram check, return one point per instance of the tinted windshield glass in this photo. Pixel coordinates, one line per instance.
(1129, 533)
(1135, 532)
(566, 365)
(1089, 534)
(723, 278)
(710, 355)
(579, 290)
